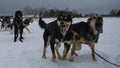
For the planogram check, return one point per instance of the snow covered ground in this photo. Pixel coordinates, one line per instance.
(28, 54)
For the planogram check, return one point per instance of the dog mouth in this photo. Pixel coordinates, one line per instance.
(100, 29)
(64, 27)
(99, 26)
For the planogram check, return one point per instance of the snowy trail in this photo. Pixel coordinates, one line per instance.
(28, 54)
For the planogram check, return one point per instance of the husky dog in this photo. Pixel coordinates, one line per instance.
(26, 22)
(86, 33)
(56, 32)
(6, 23)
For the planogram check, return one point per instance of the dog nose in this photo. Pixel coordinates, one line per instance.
(61, 23)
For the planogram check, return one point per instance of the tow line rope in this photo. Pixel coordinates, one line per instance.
(105, 59)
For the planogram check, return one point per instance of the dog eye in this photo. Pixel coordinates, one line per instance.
(61, 17)
(65, 18)
(94, 17)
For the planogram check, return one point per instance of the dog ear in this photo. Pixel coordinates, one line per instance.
(69, 17)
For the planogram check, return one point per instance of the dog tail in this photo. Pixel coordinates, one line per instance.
(42, 23)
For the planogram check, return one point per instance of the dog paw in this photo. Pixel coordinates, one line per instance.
(76, 54)
(60, 58)
(71, 59)
(44, 57)
(15, 40)
(53, 58)
(63, 58)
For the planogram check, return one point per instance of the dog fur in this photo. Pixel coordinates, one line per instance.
(6, 23)
(26, 22)
(86, 33)
(56, 32)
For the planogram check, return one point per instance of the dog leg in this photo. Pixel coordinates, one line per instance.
(44, 53)
(66, 49)
(73, 48)
(64, 53)
(53, 57)
(93, 50)
(78, 47)
(76, 54)
(3, 28)
(27, 29)
(6, 26)
(57, 50)
(53, 51)
(44, 50)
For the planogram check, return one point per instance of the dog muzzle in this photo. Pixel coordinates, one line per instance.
(64, 27)
(100, 29)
